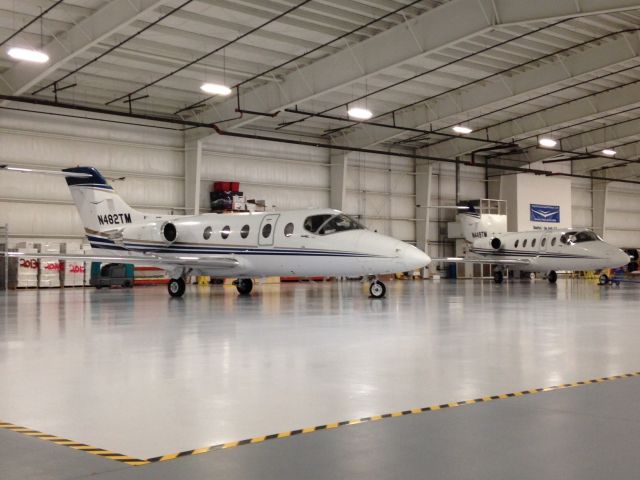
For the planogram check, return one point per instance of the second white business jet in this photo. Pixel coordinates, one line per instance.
(303, 243)
(544, 251)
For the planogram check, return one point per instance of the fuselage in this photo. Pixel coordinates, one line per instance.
(547, 250)
(289, 243)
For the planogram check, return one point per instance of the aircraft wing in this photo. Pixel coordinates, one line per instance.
(513, 261)
(207, 261)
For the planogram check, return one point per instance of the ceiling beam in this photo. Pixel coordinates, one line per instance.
(422, 35)
(93, 29)
(512, 87)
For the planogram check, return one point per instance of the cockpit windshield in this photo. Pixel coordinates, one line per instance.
(328, 224)
(583, 236)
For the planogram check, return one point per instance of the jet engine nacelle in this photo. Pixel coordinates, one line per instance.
(164, 232)
(496, 243)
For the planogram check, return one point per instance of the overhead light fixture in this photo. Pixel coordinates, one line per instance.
(462, 129)
(609, 152)
(547, 142)
(360, 113)
(28, 55)
(215, 89)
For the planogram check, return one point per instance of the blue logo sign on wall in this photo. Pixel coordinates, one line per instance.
(544, 213)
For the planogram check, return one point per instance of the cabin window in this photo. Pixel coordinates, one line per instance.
(244, 232)
(207, 233)
(515, 245)
(553, 241)
(524, 243)
(288, 230)
(266, 230)
(224, 233)
(544, 242)
(533, 243)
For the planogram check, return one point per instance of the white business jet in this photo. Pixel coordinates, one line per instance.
(301, 243)
(544, 251)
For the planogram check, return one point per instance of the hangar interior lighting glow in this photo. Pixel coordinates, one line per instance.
(547, 142)
(609, 151)
(360, 113)
(28, 55)
(462, 129)
(215, 89)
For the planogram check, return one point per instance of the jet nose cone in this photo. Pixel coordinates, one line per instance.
(621, 258)
(413, 257)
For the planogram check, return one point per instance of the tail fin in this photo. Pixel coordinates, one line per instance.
(476, 225)
(99, 206)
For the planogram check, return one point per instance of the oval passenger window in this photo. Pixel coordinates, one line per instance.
(207, 233)
(225, 232)
(244, 232)
(266, 230)
(288, 230)
(524, 243)
(515, 245)
(533, 243)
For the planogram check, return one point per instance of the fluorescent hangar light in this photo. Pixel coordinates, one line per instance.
(215, 89)
(547, 142)
(360, 113)
(462, 129)
(28, 55)
(609, 152)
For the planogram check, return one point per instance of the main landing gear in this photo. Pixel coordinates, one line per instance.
(498, 276)
(176, 287)
(552, 276)
(377, 289)
(244, 286)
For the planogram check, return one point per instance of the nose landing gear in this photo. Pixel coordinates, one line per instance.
(377, 289)
(552, 277)
(176, 287)
(244, 286)
(498, 276)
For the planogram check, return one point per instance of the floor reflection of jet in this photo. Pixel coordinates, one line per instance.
(301, 243)
(544, 251)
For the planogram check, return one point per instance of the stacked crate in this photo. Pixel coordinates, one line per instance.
(73, 270)
(23, 271)
(227, 197)
(49, 269)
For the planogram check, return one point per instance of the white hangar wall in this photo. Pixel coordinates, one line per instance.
(380, 189)
(40, 206)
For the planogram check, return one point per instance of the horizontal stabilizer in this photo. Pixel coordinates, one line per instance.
(514, 261)
(45, 172)
(205, 261)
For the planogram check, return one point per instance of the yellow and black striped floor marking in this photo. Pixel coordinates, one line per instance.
(65, 442)
(329, 426)
(375, 418)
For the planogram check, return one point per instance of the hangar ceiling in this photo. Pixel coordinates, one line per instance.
(512, 70)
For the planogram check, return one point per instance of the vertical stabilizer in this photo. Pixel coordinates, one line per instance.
(100, 207)
(481, 225)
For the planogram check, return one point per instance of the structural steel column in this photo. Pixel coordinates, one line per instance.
(599, 193)
(192, 170)
(424, 172)
(337, 179)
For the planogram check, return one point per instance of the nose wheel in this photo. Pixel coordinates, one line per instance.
(244, 286)
(377, 289)
(176, 287)
(498, 276)
(552, 277)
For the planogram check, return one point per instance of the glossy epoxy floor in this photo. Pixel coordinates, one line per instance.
(138, 373)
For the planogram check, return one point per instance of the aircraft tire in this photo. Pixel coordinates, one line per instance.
(377, 289)
(176, 287)
(498, 276)
(603, 279)
(552, 277)
(244, 286)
